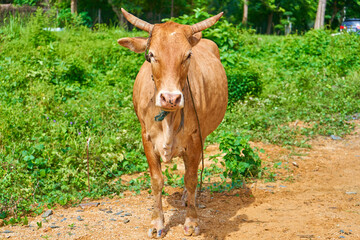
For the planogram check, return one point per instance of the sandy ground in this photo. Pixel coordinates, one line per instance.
(317, 197)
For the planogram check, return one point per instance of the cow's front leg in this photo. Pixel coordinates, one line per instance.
(157, 183)
(192, 160)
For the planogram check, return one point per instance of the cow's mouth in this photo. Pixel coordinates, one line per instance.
(169, 109)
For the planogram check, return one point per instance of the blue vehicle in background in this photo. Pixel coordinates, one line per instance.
(351, 25)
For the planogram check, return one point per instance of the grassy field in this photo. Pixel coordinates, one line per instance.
(59, 89)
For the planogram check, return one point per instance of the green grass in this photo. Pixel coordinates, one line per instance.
(59, 89)
(311, 78)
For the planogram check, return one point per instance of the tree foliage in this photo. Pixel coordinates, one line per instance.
(266, 16)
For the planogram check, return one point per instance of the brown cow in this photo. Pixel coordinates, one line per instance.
(177, 57)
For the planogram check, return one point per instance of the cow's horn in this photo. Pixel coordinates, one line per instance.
(137, 22)
(198, 27)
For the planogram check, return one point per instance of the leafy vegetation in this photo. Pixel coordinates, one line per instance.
(310, 78)
(265, 16)
(59, 89)
(240, 159)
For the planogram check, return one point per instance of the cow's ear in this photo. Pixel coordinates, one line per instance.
(195, 38)
(136, 44)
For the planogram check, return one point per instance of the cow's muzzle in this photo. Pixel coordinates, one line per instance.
(170, 101)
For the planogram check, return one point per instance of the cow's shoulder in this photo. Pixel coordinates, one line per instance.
(144, 88)
(206, 45)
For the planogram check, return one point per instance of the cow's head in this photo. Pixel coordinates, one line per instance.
(169, 53)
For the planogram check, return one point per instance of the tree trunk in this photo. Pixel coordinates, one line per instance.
(335, 11)
(99, 15)
(320, 15)
(73, 6)
(270, 18)
(47, 4)
(117, 12)
(343, 14)
(245, 14)
(172, 8)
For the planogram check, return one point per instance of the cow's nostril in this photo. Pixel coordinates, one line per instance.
(163, 98)
(178, 99)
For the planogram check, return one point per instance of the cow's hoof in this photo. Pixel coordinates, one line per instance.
(153, 233)
(191, 230)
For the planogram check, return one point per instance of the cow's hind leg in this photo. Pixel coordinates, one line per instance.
(191, 160)
(157, 183)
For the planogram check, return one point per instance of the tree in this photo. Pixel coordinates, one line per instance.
(245, 13)
(273, 7)
(172, 8)
(73, 6)
(341, 9)
(117, 12)
(335, 10)
(320, 15)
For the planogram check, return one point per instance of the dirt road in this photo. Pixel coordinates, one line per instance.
(317, 197)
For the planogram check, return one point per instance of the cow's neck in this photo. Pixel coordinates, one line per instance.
(170, 126)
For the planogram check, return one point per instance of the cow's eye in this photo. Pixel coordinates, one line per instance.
(151, 57)
(189, 56)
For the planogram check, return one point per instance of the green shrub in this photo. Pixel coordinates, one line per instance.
(67, 19)
(38, 34)
(26, 2)
(302, 80)
(243, 81)
(72, 72)
(241, 160)
(56, 91)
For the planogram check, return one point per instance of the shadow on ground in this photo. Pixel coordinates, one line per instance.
(217, 212)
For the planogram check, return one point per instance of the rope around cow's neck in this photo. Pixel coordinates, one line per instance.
(200, 136)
